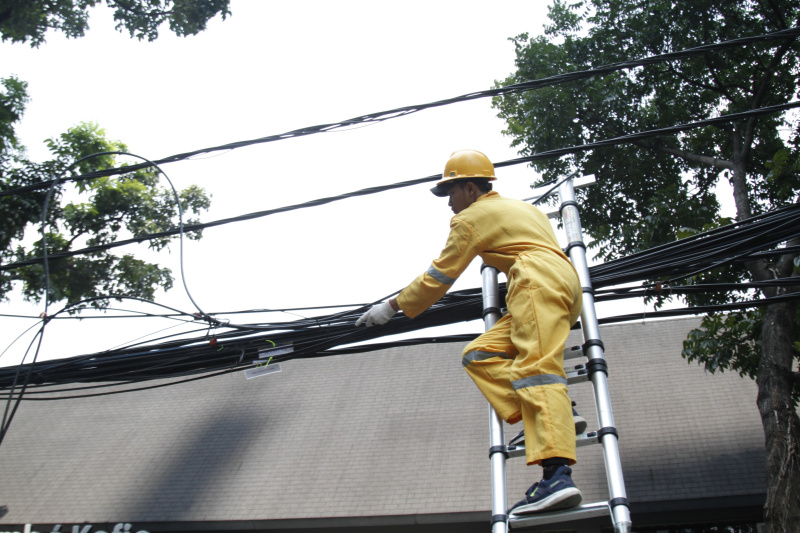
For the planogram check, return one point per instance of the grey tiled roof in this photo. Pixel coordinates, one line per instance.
(401, 431)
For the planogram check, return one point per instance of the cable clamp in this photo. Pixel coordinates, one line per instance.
(592, 342)
(490, 310)
(498, 449)
(608, 430)
(499, 518)
(574, 244)
(597, 365)
(619, 501)
(568, 203)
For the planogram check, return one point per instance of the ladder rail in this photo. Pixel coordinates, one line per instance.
(497, 440)
(576, 250)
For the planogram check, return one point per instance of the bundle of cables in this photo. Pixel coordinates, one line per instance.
(235, 347)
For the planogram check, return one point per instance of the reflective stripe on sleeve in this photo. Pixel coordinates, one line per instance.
(478, 355)
(541, 379)
(438, 276)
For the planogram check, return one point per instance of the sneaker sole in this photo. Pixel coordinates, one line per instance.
(563, 499)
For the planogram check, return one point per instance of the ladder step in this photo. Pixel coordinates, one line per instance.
(577, 374)
(589, 510)
(573, 352)
(583, 439)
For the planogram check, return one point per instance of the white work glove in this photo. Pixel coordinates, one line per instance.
(378, 314)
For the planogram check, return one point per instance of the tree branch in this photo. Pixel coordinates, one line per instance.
(138, 11)
(761, 92)
(785, 264)
(778, 14)
(719, 88)
(722, 164)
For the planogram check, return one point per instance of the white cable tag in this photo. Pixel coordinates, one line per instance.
(262, 370)
(272, 352)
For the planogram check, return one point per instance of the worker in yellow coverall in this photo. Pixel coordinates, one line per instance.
(518, 364)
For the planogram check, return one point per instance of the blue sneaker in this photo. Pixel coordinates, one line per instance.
(558, 492)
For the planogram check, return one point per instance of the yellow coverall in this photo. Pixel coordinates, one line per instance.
(518, 364)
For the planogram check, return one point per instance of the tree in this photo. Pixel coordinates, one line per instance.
(654, 191)
(136, 203)
(30, 20)
(132, 202)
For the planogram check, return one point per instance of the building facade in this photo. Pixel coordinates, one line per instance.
(389, 441)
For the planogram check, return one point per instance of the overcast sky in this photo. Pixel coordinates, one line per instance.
(270, 68)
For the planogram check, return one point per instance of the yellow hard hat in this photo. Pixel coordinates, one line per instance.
(464, 164)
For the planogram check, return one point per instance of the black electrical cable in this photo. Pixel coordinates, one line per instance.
(8, 417)
(702, 309)
(373, 190)
(31, 369)
(407, 110)
(150, 387)
(323, 335)
(552, 189)
(6, 422)
(191, 356)
(665, 290)
(407, 342)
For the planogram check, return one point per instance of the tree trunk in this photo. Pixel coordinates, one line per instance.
(738, 179)
(774, 377)
(780, 421)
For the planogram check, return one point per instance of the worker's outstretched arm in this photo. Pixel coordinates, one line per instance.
(461, 248)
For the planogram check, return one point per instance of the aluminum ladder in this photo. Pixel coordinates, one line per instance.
(594, 370)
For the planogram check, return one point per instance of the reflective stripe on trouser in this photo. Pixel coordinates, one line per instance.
(525, 379)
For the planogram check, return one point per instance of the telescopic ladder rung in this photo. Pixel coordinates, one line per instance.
(582, 439)
(581, 512)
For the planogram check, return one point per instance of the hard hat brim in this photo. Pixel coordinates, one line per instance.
(442, 188)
